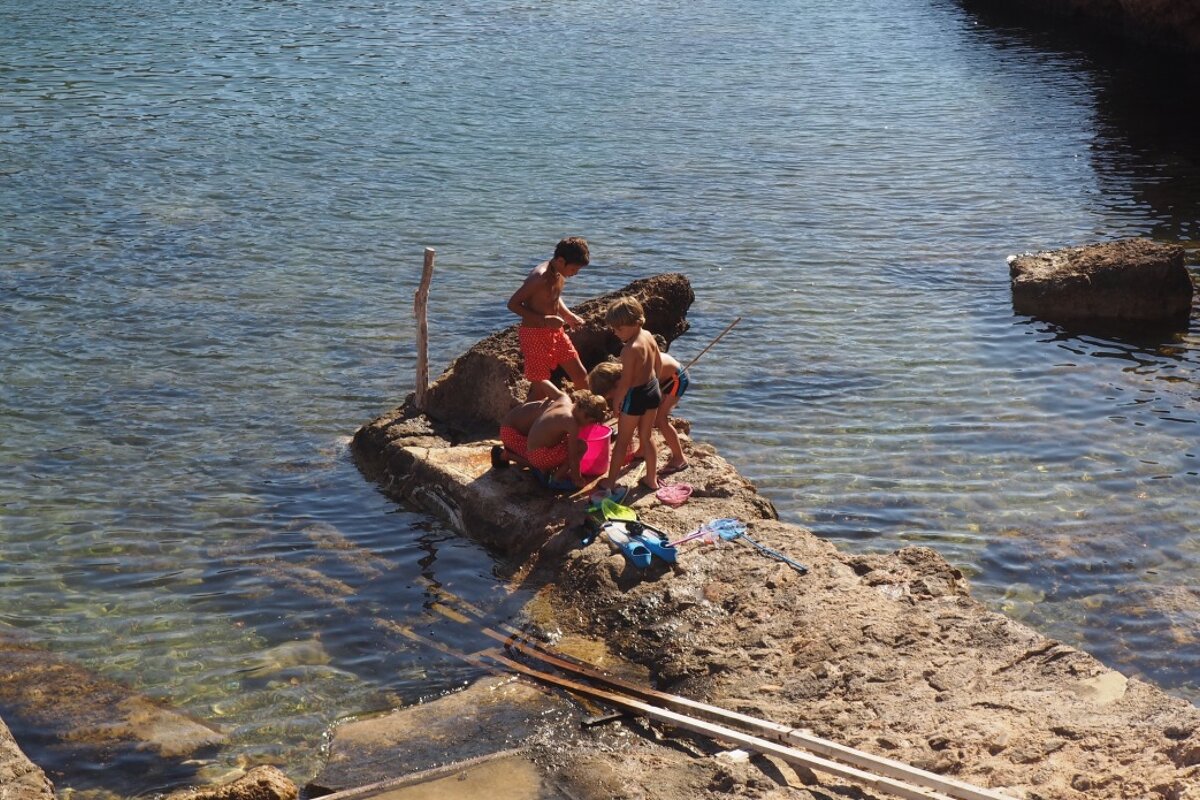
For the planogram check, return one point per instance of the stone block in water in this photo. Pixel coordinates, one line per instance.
(1135, 282)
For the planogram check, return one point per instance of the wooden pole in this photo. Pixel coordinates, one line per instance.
(728, 328)
(420, 304)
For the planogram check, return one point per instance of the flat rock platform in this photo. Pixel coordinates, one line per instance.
(889, 654)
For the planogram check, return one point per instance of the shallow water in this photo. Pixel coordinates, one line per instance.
(212, 221)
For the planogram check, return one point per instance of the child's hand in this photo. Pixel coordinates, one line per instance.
(574, 321)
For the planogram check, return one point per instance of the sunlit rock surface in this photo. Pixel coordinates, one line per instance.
(1136, 282)
(260, 783)
(20, 778)
(888, 653)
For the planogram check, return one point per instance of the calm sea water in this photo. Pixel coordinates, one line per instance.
(212, 218)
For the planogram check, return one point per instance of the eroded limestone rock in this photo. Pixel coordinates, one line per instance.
(261, 783)
(887, 653)
(20, 778)
(482, 385)
(1135, 282)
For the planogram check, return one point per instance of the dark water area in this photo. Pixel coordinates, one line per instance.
(212, 221)
(1146, 113)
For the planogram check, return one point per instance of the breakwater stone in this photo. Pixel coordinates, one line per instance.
(62, 714)
(260, 783)
(888, 653)
(1135, 282)
(20, 778)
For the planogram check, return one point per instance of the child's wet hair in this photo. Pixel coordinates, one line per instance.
(593, 406)
(604, 377)
(625, 311)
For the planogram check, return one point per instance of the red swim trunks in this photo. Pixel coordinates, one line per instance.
(544, 349)
(544, 458)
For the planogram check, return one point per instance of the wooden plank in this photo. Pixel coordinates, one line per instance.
(518, 641)
(791, 755)
(712, 730)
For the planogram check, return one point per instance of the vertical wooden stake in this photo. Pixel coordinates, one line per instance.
(420, 303)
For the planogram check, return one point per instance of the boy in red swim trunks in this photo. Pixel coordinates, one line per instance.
(543, 434)
(545, 318)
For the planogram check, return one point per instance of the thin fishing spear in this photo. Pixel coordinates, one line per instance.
(728, 328)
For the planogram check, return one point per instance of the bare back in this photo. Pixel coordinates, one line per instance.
(522, 417)
(669, 367)
(554, 423)
(640, 359)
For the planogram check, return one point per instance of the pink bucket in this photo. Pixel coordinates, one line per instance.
(595, 458)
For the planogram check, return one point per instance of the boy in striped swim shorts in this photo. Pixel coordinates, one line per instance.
(674, 380)
(544, 434)
(545, 319)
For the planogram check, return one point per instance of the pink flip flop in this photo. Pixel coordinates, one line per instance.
(674, 494)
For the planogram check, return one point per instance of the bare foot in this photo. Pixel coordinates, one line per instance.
(671, 467)
(652, 487)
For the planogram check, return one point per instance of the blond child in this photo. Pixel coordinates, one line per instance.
(637, 390)
(673, 381)
(543, 434)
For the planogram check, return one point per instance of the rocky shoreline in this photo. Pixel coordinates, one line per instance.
(1165, 25)
(889, 654)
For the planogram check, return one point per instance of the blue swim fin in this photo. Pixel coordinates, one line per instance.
(635, 550)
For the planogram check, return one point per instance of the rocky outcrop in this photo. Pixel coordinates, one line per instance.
(261, 783)
(1166, 25)
(1136, 282)
(20, 778)
(481, 386)
(886, 653)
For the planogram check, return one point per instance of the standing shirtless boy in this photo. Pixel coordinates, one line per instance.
(544, 316)
(638, 389)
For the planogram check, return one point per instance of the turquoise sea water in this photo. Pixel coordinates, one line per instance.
(211, 225)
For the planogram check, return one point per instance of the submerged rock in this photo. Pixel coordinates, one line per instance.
(63, 714)
(260, 783)
(493, 715)
(309, 652)
(1126, 283)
